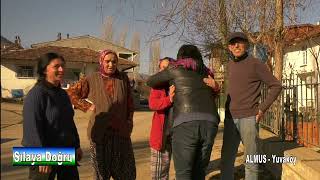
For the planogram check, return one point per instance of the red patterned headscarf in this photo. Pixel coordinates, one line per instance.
(103, 54)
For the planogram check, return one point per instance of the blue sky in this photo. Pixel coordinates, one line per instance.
(40, 20)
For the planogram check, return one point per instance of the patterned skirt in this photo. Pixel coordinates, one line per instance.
(160, 163)
(114, 158)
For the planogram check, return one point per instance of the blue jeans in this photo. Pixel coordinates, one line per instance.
(236, 130)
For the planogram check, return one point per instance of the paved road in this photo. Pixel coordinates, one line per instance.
(11, 133)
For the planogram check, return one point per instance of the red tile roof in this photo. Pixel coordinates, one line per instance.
(83, 55)
(298, 33)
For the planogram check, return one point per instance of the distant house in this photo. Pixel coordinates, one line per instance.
(7, 45)
(301, 50)
(92, 43)
(95, 44)
(18, 67)
(300, 69)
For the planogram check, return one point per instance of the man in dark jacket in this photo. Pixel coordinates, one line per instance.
(243, 111)
(194, 112)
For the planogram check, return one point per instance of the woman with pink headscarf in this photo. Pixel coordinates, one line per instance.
(110, 124)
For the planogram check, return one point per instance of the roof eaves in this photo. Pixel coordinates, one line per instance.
(49, 42)
(79, 37)
(93, 37)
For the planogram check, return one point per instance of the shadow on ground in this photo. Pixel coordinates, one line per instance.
(4, 140)
(215, 165)
(275, 146)
(239, 174)
(143, 109)
(141, 152)
(17, 112)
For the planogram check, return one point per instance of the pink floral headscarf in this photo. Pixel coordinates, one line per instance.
(103, 54)
(189, 63)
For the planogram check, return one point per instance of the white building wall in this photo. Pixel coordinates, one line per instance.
(9, 81)
(302, 73)
(294, 60)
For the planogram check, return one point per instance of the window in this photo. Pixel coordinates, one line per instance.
(305, 55)
(125, 55)
(25, 71)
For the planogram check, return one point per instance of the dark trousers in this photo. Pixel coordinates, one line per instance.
(191, 147)
(114, 158)
(62, 172)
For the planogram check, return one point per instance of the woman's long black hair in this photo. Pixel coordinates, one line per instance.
(192, 51)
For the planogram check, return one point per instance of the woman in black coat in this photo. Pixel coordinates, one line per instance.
(194, 112)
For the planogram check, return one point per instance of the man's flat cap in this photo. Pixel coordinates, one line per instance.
(237, 35)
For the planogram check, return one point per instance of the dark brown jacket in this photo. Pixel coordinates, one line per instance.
(244, 88)
(114, 105)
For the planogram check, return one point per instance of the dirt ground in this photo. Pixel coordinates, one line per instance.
(11, 134)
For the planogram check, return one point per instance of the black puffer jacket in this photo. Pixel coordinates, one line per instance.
(192, 95)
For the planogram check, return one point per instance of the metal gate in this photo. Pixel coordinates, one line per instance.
(299, 118)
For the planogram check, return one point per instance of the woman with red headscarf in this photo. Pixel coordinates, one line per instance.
(110, 124)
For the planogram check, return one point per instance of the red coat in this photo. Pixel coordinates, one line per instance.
(159, 102)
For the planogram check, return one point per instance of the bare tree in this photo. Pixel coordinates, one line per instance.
(224, 29)
(107, 29)
(207, 22)
(278, 40)
(151, 63)
(135, 46)
(314, 49)
(121, 41)
(154, 56)
(204, 22)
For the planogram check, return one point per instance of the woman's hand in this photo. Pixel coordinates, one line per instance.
(92, 108)
(259, 116)
(209, 81)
